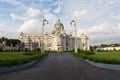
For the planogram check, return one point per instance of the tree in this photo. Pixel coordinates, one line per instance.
(10, 42)
(104, 45)
(13, 42)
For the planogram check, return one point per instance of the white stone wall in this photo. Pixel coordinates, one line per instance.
(53, 42)
(85, 42)
(109, 48)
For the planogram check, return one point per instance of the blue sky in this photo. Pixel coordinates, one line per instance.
(99, 19)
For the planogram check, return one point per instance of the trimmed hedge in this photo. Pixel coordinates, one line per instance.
(31, 52)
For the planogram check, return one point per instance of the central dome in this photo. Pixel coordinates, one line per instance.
(58, 28)
(58, 24)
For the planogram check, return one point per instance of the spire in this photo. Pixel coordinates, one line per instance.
(83, 36)
(59, 20)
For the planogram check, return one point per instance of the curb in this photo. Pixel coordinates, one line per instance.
(101, 65)
(105, 66)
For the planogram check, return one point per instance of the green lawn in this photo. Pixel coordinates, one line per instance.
(16, 58)
(112, 57)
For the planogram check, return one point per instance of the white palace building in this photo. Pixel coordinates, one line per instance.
(55, 41)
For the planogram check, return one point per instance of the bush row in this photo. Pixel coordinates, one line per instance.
(87, 52)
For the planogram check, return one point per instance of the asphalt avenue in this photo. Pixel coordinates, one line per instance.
(62, 66)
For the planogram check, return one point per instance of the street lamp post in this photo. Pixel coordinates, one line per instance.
(73, 22)
(42, 37)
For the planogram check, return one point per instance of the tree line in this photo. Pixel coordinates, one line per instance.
(9, 42)
(110, 45)
(104, 45)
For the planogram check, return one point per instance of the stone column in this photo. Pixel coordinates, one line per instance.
(64, 43)
(88, 46)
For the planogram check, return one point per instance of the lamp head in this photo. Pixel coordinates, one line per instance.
(73, 20)
(47, 22)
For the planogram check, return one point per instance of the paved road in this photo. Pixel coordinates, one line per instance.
(59, 66)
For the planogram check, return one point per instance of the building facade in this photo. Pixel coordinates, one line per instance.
(57, 40)
(108, 48)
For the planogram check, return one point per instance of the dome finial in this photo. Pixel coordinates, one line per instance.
(58, 20)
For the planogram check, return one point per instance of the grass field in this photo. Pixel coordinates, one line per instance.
(17, 58)
(111, 57)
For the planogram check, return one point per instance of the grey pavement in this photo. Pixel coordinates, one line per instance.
(62, 66)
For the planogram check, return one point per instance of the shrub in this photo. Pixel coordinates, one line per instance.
(90, 52)
(50, 51)
(18, 50)
(26, 49)
(32, 52)
(1, 49)
(29, 53)
(87, 52)
(38, 49)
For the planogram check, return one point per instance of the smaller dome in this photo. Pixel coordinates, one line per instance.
(83, 36)
(21, 33)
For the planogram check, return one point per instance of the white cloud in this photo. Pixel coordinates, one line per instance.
(40, 0)
(30, 13)
(58, 10)
(1, 15)
(34, 25)
(79, 13)
(30, 26)
(51, 17)
(101, 31)
(115, 17)
(111, 1)
(46, 11)
(59, 7)
(13, 16)
(7, 31)
(16, 3)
